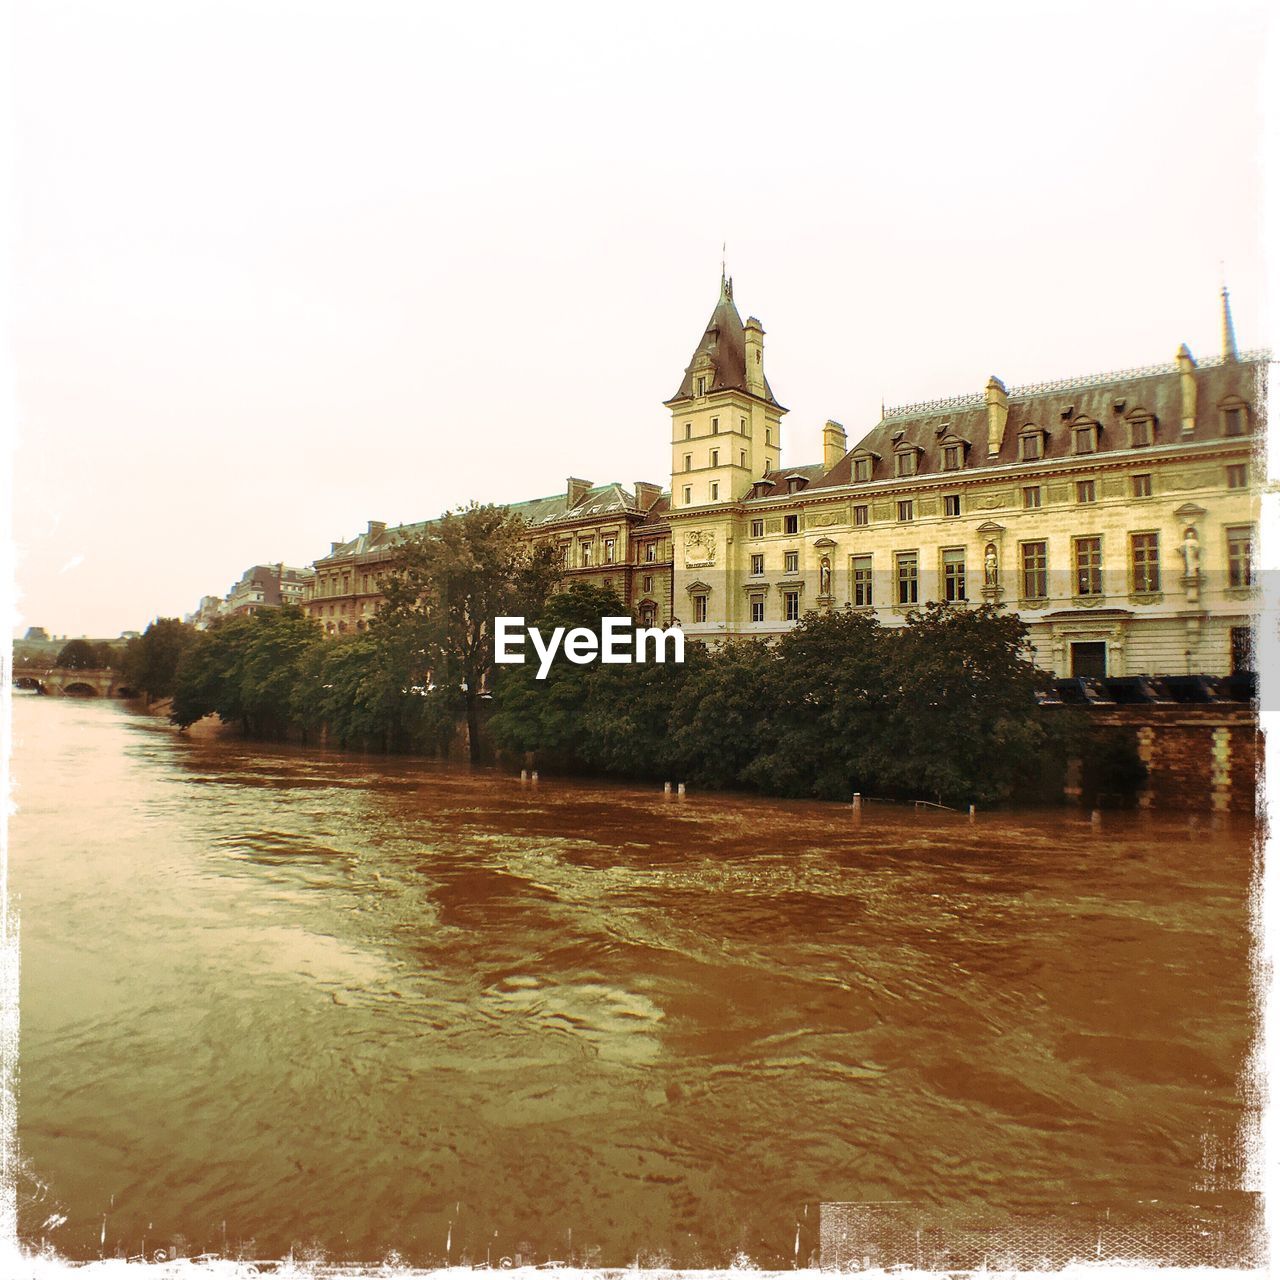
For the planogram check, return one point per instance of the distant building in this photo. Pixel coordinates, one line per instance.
(36, 633)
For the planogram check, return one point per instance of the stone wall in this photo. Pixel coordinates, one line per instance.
(1198, 757)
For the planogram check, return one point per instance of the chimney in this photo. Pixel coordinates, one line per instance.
(647, 494)
(1187, 382)
(834, 444)
(754, 334)
(376, 528)
(997, 414)
(577, 490)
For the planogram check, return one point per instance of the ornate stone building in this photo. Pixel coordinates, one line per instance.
(1116, 512)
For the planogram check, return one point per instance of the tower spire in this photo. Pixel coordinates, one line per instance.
(1229, 351)
(726, 282)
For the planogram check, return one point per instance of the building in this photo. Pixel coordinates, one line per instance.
(1116, 512)
(262, 586)
(609, 535)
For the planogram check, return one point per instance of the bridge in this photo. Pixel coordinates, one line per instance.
(71, 682)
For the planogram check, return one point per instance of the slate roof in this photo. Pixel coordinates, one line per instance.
(1110, 400)
(725, 342)
(599, 500)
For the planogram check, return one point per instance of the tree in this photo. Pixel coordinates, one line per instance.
(449, 584)
(151, 660)
(964, 723)
(77, 655)
(247, 670)
(545, 715)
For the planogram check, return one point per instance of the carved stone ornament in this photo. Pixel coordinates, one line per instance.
(699, 548)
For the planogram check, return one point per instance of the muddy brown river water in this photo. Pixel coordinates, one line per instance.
(275, 998)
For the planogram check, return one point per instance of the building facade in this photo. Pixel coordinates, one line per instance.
(1116, 512)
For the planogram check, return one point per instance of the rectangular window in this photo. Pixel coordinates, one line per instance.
(702, 386)
(586, 555)
(768, 464)
(608, 551)
(953, 579)
(699, 608)
(951, 457)
(1144, 555)
(715, 490)
(861, 516)
(950, 504)
(742, 424)
(1240, 556)
(906, 511)
(791, 562)
(862, 580)
(757, 565)
(1031, 497)
(908, 573)
(1236, 420)
(1035, 570)
(647, 584)
(1089, 659)
(861, 469)
(715, 457)
(1086, 491)
(757, 608)
(1086, 438)
(1238, 476)
(768, 435)
(1242, 659)
(1031, 447)
(688, 462)
(688, 494)
(790, 524)
(715, 426)
(757, 528)
(1142, 486)
(742, 457)
(651, 551)
(790, 605)
(1142, 432)
(1088, 557)
(905, 463)
(688, 430)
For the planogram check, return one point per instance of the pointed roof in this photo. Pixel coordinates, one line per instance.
(724, 346)
(1229, 351)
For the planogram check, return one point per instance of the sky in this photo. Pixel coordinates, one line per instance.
(279, 269)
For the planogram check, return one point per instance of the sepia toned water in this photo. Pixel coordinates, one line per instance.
(278, 998)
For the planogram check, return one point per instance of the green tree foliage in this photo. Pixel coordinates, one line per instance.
(448, 586)
(245, 670)
(942, 708)
(77, 655)
(150, 661)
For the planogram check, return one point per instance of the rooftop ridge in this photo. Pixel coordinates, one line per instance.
(975, 400)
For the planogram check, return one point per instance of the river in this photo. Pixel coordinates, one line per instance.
(275, 998)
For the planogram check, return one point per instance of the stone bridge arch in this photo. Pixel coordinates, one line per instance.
(66, 681)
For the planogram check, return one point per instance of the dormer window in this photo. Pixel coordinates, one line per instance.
(861, 469)
(1235, 418)
(702, 386)
(904, 462)
(952, 457)
(1085, 436)
(1142, 432)
(796, 483)
(1031, 445)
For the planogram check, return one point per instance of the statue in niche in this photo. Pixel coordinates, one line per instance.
(991, 565)
(824, 576)
(1191, 551)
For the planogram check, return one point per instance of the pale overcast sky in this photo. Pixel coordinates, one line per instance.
(282, 268)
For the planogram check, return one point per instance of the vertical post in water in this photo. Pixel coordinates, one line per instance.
(666, 788)
(524, 775)
(535, 776)
(973, 812)
(680, 791)
(857, 802)
(1095, 818)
